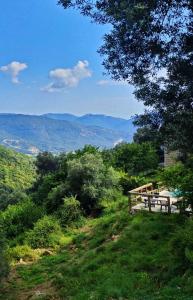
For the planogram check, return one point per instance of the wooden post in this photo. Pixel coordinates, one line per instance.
(169, 206)
(149, 203)
(129, 202)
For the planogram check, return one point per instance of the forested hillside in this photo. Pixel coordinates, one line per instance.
(71, 237)
(56, 133)
(17, 171)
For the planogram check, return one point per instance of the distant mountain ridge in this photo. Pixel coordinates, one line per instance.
(100, 120)
(62, 132)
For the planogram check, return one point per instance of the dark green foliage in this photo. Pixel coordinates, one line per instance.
(135, 158)
(70, 212)
(89, 179)
(55, 198)
(129, 183)
(46, 162)
(182, 246)
(16, 219)
(42, 188)
(11, 198)
(4, 268)
(46, 233)
(179, 178)
(88, 175)
(150, 134)
(151, 45)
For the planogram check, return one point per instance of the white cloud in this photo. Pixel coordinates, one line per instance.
(62, 78)
(111, 82)
(14, 69)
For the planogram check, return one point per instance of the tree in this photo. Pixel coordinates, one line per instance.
(151, 46)
(11, 198)
(149, 132)
(55, 198)
(180, 179)
(135, 158)
(69, 213)
(19, 217)
(46, 162)
(89, 180)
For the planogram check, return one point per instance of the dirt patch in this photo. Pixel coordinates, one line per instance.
(43, 291)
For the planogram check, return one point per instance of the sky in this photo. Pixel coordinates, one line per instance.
(49, 63)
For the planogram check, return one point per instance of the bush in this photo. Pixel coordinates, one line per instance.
(46, 233)
(69, 212)
(89, 179)
(11, 198)
(129, 183)
(182, 244)
(23, 252)
(42, 187)
(55, 198)
(179, 178)
(114, 201)
(135, 159)
(19, 217)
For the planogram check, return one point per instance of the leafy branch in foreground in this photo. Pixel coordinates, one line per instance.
(151, 46)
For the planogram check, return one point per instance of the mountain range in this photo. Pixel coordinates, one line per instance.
(62, 132)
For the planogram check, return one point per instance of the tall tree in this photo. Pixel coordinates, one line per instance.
(151, 46)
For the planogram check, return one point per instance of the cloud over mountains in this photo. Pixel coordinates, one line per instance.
(67, 77)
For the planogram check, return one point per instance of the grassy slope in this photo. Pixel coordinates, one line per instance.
(114, 257)
(16, 170)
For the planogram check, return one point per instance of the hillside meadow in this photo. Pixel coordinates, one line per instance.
(67, 234)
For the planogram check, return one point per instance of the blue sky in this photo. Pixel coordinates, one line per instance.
(49, 63)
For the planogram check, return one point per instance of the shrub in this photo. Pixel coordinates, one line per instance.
(182, 244)
(22, 252)
(114, 201)
(89, 179)
(11, 198)
(55, 198)
(135, 158)
(19, 217)
(130, 182)
(46, 233)
(179, 178)
(42, 187)
(69, 212)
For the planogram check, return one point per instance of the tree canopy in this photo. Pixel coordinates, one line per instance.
(151, 46)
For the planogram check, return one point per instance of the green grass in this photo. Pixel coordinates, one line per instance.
(116, 256)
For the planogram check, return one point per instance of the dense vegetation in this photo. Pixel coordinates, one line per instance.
(112, 257)
(70, 235)
(41, 198)
(76, 210)
(17, 173)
